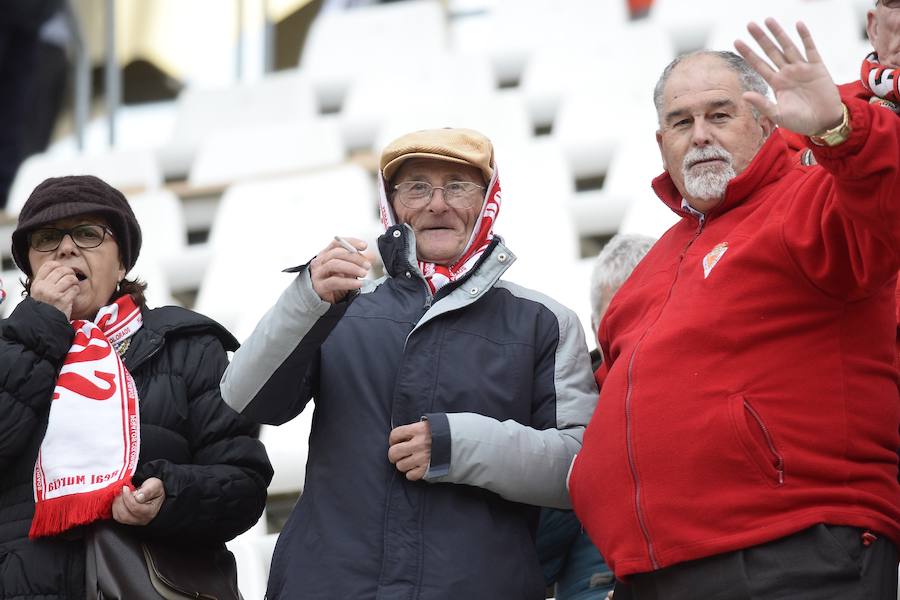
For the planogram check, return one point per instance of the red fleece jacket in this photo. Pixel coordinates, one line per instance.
(799, 143)
(752, 388)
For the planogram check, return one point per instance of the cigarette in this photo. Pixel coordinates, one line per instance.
(345, 245)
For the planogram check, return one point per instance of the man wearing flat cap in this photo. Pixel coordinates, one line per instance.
(448, 403)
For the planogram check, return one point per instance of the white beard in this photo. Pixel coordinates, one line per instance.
(710, 181)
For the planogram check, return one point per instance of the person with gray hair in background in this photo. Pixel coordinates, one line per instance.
(614, 264)
(571, 563)
(748, 424)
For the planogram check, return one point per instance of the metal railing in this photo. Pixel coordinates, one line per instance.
(113, 76)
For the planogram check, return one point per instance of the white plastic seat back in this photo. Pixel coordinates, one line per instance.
(590, 137)
(288, 448)
(501, 116)
(577, 60)
(535, 220)
(687, 23)
(343, 44)
(266, 150)
(160, 215)
(262, 227)
(833, 23)
(381, 92)
(633, 169)
(203, 112)
(253, 554)
(13, 286)
(128, 171)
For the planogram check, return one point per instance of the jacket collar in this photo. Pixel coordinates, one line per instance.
(494, 262)
(769, 165)
(397, 246)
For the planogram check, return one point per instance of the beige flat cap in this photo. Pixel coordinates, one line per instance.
(464, 146)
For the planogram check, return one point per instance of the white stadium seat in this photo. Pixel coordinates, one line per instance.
(13, 288)
(592, 127)
(380, 92)
(262, 227)
(633, 169)
(162, 219)
(126, 170)
(288, 448)
(266, 150)
(687, 23)
(202, 112)
(833, 24)
(501, 116)
(341, 45)
(253, 554)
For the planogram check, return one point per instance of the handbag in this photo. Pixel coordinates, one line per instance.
(120, 566)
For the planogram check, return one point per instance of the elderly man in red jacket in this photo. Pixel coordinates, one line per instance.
(749, 420)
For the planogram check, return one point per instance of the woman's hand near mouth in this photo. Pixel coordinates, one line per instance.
(56, 285)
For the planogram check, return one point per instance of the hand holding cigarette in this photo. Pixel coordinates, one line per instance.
(337, 269)
(345, 245)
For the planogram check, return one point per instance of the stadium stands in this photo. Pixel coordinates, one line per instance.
(563, 87)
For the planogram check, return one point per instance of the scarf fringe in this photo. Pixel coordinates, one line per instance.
(53, 516)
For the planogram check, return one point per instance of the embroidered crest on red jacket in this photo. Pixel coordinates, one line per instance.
(711, 259)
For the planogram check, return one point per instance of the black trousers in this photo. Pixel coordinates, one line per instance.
(823, 562)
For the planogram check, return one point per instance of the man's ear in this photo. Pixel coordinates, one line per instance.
(767, 126)
(871, 26)
(662, 155)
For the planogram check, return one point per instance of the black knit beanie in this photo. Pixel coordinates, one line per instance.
(71, 196)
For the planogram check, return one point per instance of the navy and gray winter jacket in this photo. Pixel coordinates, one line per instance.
(501, 372)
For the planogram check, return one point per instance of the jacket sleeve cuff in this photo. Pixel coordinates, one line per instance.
(440, 445)
(40, 327)
(859, 130)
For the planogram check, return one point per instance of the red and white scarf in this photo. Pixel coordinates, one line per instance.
(91, 446)
(881, 81)
(437, 276)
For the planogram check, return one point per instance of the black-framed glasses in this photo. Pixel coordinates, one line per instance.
(417, 194)
(48, 239)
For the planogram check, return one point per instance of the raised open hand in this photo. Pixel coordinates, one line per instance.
(806, 99)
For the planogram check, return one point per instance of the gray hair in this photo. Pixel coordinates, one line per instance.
(751, 81)
(614, 264)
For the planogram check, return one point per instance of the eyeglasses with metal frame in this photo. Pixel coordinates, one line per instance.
(87, 236)
(418, 194)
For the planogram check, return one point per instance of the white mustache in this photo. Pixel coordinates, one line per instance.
(696, 155)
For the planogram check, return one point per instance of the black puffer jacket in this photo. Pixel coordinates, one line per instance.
(214, 472)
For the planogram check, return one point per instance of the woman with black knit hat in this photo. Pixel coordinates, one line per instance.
(108, 410)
